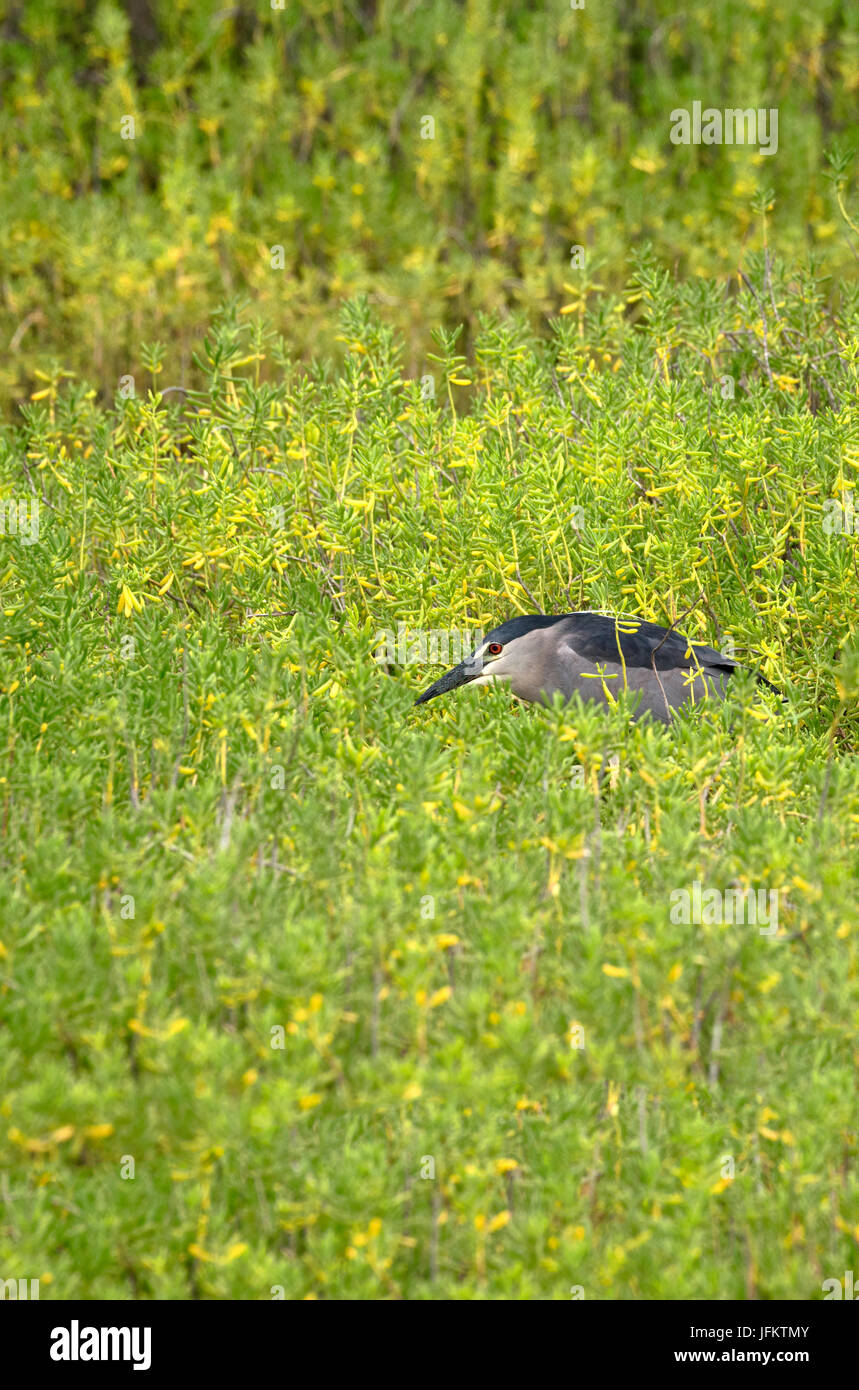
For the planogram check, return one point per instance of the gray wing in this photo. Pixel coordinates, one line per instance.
(603, 637)
(602, 656)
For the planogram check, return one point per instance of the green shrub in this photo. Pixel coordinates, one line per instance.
(294, 946)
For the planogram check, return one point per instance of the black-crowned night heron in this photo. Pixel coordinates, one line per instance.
(597, 655)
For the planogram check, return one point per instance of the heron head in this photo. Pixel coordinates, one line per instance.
(507, 654)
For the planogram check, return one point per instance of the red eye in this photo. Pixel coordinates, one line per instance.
(494, 648)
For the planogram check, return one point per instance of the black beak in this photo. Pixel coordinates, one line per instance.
(457, 675)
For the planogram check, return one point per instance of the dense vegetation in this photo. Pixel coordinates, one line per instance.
(303, 989)
(155, 160)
